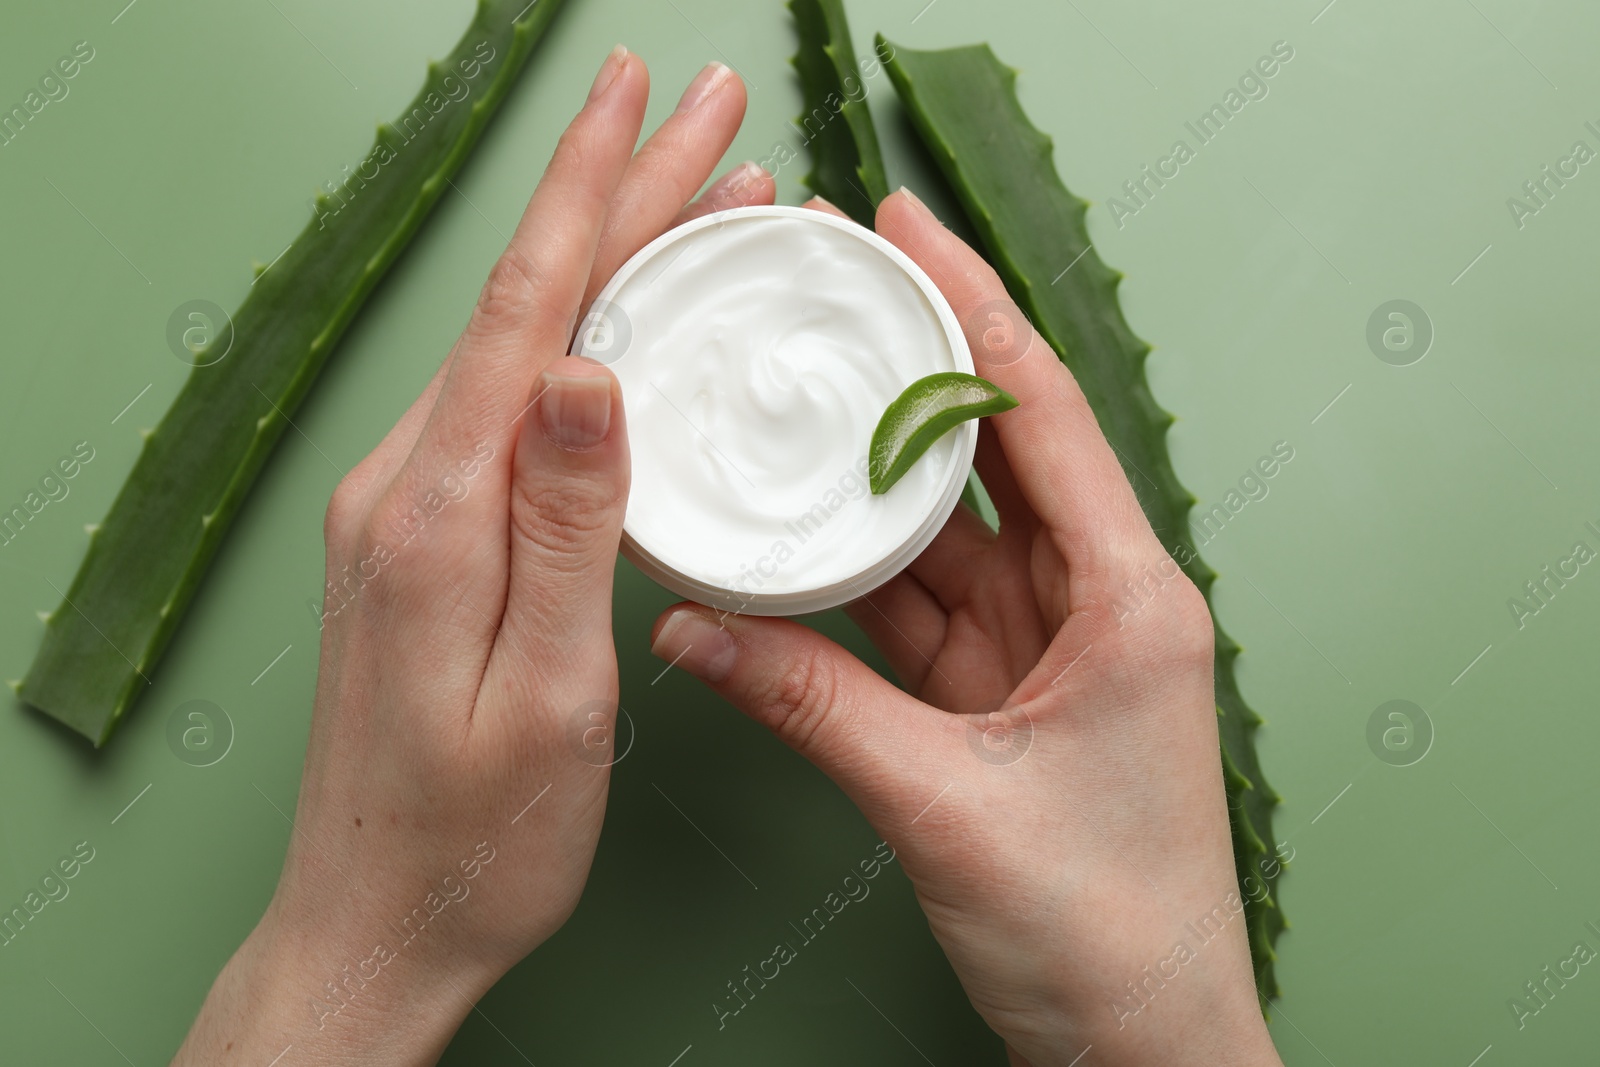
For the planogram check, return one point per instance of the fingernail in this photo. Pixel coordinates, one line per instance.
(575, 411)
(698, 645)
(608, 72)
(745, 173)
(736, 184)
(919, 206)
(705, 83)
(915, 200)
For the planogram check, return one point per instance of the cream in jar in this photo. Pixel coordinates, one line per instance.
(757, 349)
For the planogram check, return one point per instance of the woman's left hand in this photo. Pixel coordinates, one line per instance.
(448, 814)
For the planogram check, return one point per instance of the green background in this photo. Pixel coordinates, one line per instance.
(1378, 567)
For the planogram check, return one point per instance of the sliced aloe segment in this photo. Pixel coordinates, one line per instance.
(929, 408)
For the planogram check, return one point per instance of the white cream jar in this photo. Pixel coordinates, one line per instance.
(757, 349)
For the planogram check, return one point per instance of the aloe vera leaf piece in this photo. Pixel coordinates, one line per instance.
(963, 102)
(925, 411)
(969, 495)
(846, 164)
(146, 560)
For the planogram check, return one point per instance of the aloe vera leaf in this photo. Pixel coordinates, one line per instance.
(963, 103)
(925, 411)
(969, 494)
(846, 165)
(146, 559)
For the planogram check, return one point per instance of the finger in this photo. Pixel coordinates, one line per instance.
(942, 570)
(949, 565)
(860, 730)
(817, 203)
(987, 646)
(906, 623)
(380, 465)
(745, 185)
(529, 305)
(1009, 504)
(673, 164)
(568, 491)
(1063, 465)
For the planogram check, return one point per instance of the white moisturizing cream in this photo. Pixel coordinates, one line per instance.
(757, 349)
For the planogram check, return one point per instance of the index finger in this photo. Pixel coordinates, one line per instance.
(1063, 464)
(529, 305)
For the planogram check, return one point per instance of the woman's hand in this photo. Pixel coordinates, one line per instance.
(1066, 829)
(447, 815)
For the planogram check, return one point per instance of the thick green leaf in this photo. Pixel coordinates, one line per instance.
(846, 166)
(146, 559)
(964, 104)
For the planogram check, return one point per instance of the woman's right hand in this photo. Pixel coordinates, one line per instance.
(1079, 875)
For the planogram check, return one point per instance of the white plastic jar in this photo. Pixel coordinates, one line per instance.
(757, 349)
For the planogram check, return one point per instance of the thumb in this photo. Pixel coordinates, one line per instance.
(569, 488)
(875, 741)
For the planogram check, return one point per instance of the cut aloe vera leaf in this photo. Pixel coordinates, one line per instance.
(146, 559)
(928, 409)
(846, 164)
(964, 105)
(974, 496)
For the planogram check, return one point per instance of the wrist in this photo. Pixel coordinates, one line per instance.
(1207, 1013)
(1243, 1042)
(1208, 1027)
(294, 986)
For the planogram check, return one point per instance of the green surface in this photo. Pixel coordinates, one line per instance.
(1376, 168)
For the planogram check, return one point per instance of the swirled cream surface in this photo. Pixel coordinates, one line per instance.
(757, 351)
